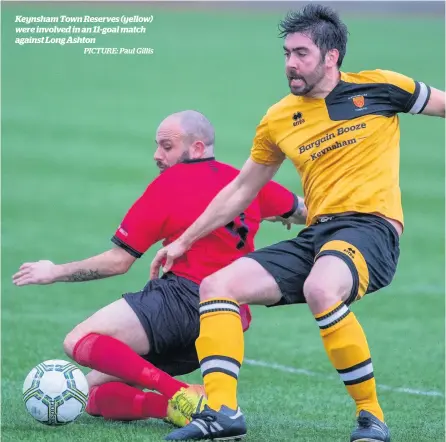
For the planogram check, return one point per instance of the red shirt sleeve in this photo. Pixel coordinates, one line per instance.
(142, 226)
(275, 200)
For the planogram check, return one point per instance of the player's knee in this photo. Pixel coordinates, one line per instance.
(208, 289)
(216, 286)
(71, 340)
(318, 294)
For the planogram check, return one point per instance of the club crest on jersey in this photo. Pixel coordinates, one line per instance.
(359, 101)
(298, 118)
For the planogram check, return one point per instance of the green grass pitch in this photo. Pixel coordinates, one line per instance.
(77, 146)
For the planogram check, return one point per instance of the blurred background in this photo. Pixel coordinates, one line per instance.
(77, 145)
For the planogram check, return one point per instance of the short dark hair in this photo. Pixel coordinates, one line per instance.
(322, 24)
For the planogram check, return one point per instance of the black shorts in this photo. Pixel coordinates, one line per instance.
(168, 311)
(368, 244)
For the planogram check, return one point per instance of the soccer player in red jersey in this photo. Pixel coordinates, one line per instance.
(145, 338)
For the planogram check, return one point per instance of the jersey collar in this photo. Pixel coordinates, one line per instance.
(199, 160)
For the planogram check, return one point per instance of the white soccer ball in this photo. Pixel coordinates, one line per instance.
(55, 392)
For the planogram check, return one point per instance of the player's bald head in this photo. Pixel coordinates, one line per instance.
(195, 127)
(185, 135)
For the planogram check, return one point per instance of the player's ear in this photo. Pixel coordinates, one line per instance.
(198, 150)
(331, 58)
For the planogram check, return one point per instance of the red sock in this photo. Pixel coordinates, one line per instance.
(91, 407)
(119, 401)
(113, 357)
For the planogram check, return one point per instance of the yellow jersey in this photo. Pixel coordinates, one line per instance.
(345, 147)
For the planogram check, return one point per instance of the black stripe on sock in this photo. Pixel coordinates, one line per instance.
(219, 370)
(323, 327)
(220, 358)
(359, 380)
(330, 313)
(219, 301)
(355, 367)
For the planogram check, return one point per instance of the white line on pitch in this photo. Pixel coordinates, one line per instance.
(306, 372)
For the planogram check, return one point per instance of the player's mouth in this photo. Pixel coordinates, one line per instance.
(296, 82)
(162, 167)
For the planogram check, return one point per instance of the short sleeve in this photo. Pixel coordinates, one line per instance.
(263, 150)
(406, 94)
(276, 200)
(142, 226)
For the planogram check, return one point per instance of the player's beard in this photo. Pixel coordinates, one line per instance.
(164, 166)
(307, 83)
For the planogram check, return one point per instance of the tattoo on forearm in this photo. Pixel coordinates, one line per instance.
(85, 275)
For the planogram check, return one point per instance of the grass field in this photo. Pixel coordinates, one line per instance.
(77, 145)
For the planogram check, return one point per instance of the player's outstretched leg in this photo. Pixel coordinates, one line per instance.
(346, 344)
(111, 356)
(220, 351)
(220, 346)
(119, 401)
(111, 342)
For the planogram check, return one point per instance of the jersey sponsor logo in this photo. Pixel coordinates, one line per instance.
(316, 143)
(298, 118)
(332, 136)
(353, 127)
(336, 145)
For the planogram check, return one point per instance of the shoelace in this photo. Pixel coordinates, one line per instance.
(204, 416)
(364, 422)
(207, 419)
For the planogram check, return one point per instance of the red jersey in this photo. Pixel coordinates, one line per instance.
(177, 197)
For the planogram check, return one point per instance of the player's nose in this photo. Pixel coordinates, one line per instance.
(292, 63)
(158, 154)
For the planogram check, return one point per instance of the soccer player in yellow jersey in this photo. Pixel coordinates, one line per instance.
(341, 131)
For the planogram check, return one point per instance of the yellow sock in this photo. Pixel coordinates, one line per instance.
(220, 348)
(346, 345)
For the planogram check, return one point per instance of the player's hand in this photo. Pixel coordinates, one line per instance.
(41, 272)
(278, 219)
(169, 253)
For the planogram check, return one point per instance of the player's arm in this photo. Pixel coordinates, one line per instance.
(436, 104)
(298, 217)
(140, 228)
(115, 261)
(414, 97)
(110, 263)
(278, 204)
(230, 201)
(258, 170)
(226, 206)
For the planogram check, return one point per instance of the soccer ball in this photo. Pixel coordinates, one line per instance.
(55, 392)
(184, 403)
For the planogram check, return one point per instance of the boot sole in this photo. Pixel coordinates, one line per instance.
(234, 438)
(367, 439)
